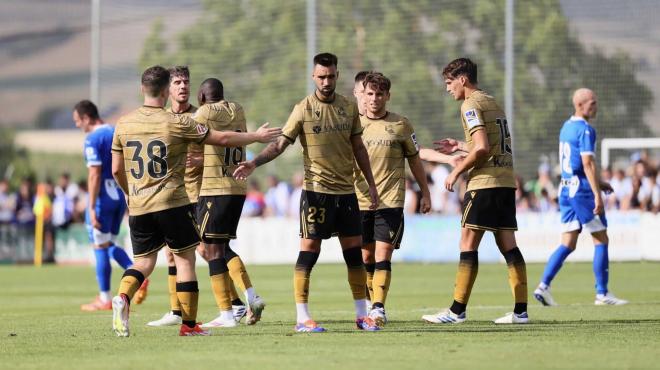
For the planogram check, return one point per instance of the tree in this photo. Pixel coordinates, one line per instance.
(257, 48)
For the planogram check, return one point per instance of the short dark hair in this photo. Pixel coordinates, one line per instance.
(461, 67)
(179, 71)
(378, 80)
(326, 59)
(360, 76)
(87, 108)
(155, 79)
(210, 91)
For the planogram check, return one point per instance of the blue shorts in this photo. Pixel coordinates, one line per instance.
(578, 212)
(110, 214)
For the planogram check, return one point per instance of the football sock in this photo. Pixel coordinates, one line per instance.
(517, 278)
(175, 306)
(220, 283)
(105, 296)
(130, 283)
(357, 275)
(360, 308)
(555, 262)
(103, 269)
(302, 312)
(601, 268)
(371, 268)
(301, 275)
(468, 267)
(119, 254)
(381, 284)
(250, 293)
(237, 270)
(188, 293)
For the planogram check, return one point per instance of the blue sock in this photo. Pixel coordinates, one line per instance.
(118, 254)
(554, 264)
(601, 268)
(103, 269)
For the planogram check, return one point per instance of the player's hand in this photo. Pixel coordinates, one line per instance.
(451, 180)
(93, 220)
(599, 207)
(455, 160)
(606, 187)
(194, 159)
(267, 134)
(373, 195)
(446, 146)
(425, 204)
(244, 170)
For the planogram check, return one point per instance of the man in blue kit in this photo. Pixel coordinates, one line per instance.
(580, 200)
(106, 206)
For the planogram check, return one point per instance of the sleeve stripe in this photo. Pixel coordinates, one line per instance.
(208, 132)
(291, 140)
(587, 153)
(94, 163)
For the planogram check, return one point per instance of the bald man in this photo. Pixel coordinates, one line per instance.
(580, 200)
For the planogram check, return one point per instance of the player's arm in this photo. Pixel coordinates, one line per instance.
(270, 152)
(362, 159)
(431, 155)
(418, 172)
(93, 187)
(119, 172)
(478, 153)
(589, 165)
(450, 146)
(264, 134)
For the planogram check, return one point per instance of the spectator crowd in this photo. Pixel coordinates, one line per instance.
(635, 187)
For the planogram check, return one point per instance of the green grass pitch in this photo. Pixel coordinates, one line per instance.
(41, 325)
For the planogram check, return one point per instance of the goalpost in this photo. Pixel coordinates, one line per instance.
(631, 143)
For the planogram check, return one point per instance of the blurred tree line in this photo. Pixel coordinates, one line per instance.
(258, 49)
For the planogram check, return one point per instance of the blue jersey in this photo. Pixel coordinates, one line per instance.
(576, 138)
(97, 153)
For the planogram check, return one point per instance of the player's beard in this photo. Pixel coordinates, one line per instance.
(328, 92)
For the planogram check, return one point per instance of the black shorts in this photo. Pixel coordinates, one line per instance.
(175, 227)
(383, 225)
(490, 209)
(218, 217)
(326, 215)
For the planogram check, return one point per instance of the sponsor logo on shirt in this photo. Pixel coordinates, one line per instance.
(471, 119)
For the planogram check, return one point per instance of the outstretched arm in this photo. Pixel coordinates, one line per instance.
(270, 152)
(362, 159)
(450, 146)
(431, 155)
(264, 134)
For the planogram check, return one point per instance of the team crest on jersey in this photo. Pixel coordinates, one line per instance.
(471, 118)
(318, 114)
(208, 205)
(391, 234)
(316, 129)
(389, 130)
(341, 111)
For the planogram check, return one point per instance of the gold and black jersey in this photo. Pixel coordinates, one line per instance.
(479, 111)
(325, 130)
(193, 175)
(154, 143)
(389, 141)
(220, 162)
